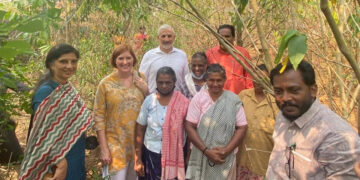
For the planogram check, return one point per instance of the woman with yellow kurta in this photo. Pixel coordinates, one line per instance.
(117, 104)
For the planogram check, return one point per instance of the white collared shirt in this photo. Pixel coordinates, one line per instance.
(154, 59)
(152, 115)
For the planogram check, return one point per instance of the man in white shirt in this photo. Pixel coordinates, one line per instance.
(164, 55)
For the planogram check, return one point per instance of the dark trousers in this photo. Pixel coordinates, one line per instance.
(152, 164)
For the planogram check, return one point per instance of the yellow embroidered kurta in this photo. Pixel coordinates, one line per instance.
(258, 140)
(116, 109)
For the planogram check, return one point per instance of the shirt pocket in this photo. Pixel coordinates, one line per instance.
(267, 125)
(155, 133)
(305, 167)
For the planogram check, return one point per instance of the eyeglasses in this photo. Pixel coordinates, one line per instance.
(289, 165)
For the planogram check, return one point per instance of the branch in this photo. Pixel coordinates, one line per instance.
(256, 75)
(335, 106)
(352, 16)
(326, 59)
(186, 10)
(341, 82)
(186, 19)
(354, 97)
(339, 38)
(245, 27)
(265, 48)
(354, 21)
(322, 55)
(233, 51)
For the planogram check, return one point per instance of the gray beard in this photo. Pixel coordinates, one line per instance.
(167, 46)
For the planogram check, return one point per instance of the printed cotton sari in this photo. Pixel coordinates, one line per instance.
(59, 122)
(216, 128)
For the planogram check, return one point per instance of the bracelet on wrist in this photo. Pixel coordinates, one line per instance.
(203, 151)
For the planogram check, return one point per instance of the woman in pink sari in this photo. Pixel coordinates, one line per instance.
(216, 125)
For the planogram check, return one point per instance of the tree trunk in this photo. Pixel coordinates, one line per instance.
(339, 70)
(322, 27)
(358, 115)
(67, 22)
(342, 95)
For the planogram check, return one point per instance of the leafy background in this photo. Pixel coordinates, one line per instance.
(29, 28)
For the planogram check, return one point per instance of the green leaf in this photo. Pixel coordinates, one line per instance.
(10, 22)
(37, 3)
(20, 45)
(53, 13)
(7, 52)
(31, 26)
(241, 5)
(236, 22)
(7, 15)
(284, 43)
(2, 14)
(44, 49)
(353, 21)
(297, 49)
(8, 82)
(12, 16)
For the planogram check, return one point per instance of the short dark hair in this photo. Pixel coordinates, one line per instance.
(200, 55)
(307, 72)
(57, 51)
(215, 68)
(119, 49)
(262, 67)
(166, 70)
(227, 26)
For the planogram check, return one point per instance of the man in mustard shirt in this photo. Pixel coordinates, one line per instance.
(260, 110)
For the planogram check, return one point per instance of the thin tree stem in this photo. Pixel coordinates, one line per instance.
(339, 38)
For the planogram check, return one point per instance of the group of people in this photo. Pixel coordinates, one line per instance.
(166, 122)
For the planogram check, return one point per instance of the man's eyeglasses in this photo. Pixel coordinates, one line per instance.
(289, 165)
